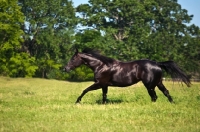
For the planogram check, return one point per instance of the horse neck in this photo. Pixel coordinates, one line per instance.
(91, 62)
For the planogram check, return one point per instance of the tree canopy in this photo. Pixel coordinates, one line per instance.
(153, 29)
(13, 62)
(37, 37)
(48, 32)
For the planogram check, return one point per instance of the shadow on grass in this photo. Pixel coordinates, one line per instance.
(110, 101)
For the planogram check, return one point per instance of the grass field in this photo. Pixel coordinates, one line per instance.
(39, 105)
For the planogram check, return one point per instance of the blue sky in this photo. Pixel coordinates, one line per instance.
(192, 6)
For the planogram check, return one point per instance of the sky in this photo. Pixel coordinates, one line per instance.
(192, 6)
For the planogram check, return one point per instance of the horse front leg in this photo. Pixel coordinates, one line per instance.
(104, 91)
(94, 86)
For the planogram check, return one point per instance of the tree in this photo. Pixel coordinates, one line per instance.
(171, 35)
(153, 29)
(48, 32)
(13, 62)
(191, 51)
(118, 19)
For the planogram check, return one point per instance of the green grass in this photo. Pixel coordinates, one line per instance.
(35, 105)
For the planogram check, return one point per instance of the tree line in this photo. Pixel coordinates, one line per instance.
(37, 38)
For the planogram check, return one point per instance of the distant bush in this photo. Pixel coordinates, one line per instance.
(81, 73)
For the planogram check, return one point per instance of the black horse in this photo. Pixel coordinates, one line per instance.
(110, 72)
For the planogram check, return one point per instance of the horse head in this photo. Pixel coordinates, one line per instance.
(74, 62)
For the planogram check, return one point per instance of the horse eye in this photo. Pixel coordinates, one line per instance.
(72, 59)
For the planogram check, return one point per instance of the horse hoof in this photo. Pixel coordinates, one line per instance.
(77, 103)
(104, 103)
(172, 102)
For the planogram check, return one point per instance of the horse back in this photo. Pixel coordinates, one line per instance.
(128, 73)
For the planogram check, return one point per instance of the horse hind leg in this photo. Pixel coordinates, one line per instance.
(151, 91)
(165, 91)
(153, 95)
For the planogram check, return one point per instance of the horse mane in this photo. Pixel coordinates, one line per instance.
(96, 54)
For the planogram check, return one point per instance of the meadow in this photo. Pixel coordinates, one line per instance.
(40, 105)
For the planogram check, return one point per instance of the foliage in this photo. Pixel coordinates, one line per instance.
(117, 20)
(153, 29)
(40, 36)
(48, 32)
(13, 62)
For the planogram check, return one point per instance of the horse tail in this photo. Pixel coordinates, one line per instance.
(171, 68)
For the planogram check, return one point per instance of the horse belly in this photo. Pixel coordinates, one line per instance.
(125, 74)
(123, 81)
